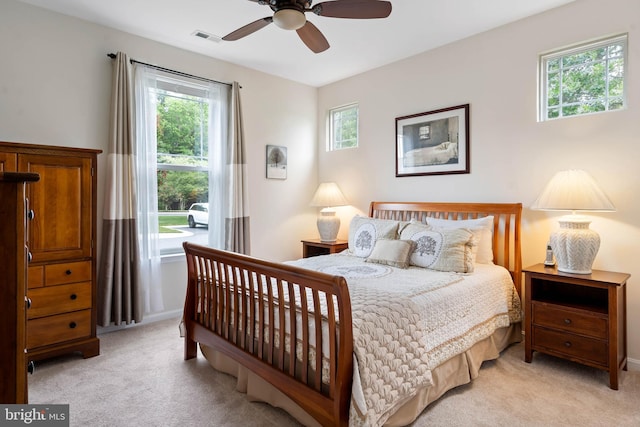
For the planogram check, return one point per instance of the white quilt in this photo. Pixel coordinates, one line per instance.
(408, 321)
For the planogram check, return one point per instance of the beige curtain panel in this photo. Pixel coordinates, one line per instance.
(119, 291)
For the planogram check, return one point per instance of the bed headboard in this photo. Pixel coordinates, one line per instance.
(506, 225)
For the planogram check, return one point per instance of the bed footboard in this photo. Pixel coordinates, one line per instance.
(288, 325)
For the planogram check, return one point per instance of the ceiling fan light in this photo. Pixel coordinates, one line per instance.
(289, 19)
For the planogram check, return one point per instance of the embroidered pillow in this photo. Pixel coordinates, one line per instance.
(395, 253)
(482, 228)
(364, 232)
(440, 249)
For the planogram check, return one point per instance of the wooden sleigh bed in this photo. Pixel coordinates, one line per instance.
(289, 330)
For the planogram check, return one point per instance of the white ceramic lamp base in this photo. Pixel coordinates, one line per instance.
(575, 245)
(328, 225)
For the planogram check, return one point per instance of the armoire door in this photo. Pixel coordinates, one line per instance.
(62, 203)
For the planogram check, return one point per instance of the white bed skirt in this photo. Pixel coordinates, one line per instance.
(454, 372)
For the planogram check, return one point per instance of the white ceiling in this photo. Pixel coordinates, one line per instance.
(414, 26)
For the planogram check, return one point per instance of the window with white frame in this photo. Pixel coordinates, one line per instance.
(583, 79)
(182, 127)
(343, 127)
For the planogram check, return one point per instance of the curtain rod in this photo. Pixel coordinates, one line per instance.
(168, 70)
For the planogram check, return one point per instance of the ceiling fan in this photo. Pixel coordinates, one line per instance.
(290, 15)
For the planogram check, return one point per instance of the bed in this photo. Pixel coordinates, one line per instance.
(440, 154)
(336, 340)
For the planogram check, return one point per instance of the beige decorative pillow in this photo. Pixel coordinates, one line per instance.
(395, 253)
(440, 249)
(482, 228)
(364, 232)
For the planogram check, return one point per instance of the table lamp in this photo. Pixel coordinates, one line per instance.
(574, 245)
(327, 196)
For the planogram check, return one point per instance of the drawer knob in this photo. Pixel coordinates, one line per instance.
(28, 303)
(68, 272)
(73, 296)
(29, 256)
(567, 321)
(31, 367)
(72, 325)
(31, 214)
(567, 344)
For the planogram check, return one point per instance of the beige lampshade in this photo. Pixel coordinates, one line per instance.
(574, 245)
(327, 195)
(573, 190)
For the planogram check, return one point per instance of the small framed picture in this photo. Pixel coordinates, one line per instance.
(433, 143)
(276, 162)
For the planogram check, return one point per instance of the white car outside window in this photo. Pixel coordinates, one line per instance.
(198, 215)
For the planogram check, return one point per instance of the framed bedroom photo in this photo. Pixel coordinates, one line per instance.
(276, 162)
(433, 143)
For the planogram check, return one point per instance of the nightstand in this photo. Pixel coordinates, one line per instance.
(315, 247)
(579, 317)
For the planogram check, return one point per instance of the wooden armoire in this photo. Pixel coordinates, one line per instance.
(61, 277)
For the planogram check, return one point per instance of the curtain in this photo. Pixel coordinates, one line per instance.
(118, 283)
(130, 280)
(147, 187)
(228, 195)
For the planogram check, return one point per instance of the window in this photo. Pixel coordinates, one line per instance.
(343, 127)
(584, 79)
(424, 132)
(182, 162)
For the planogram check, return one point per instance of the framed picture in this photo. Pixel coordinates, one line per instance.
(433, 143)
(276, 162)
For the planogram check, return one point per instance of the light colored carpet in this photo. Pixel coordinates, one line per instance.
(141, 379)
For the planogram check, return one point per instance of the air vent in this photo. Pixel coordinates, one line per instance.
(207, 36)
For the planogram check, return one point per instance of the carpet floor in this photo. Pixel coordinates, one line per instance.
(141, 379)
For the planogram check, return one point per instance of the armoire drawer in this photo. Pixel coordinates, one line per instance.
(35, 276)
(59, 299)
(70, 272)
(55, 329)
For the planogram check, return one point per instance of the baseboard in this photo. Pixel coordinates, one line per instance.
(148, 318)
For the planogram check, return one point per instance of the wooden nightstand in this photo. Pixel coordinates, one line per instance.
(315, 247)
(579, 317)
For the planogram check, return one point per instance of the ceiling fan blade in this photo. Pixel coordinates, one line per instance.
(353, 9)
(248, 29)
(313, 38)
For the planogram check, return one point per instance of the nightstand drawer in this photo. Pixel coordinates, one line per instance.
(558, 317)
(59, 299)
(591, 349)
(55, 329)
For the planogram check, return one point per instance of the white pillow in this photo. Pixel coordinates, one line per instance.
(365, 231)
(441, 249)
(482, 228)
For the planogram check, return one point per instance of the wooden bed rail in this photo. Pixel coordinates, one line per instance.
(506, 225)
(242, 306)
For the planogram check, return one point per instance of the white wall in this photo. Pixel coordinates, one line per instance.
(55, 82)
(512, 155)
